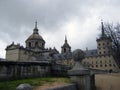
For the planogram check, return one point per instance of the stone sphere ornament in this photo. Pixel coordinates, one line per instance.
(78, 55)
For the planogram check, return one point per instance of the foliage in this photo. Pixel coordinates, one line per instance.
(11, 85)
(113, 31)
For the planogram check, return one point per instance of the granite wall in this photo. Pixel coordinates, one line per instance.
(17, 70)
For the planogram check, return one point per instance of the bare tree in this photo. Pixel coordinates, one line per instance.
(113, 31)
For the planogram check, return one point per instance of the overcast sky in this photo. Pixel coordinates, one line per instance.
(78, 19)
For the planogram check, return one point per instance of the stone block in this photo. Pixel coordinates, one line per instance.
(24, 86)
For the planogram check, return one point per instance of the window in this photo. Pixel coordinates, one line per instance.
(99, 52)
(42, 44)
(99, 44)
(101, 65)
(103, 44)
(96, 65)
(104, 52)
(110, 65)
(29, 44)
(105, 65)
(65, 50)
(36, 43)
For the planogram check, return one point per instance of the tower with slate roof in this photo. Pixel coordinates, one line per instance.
(66, 48)
(104, 43)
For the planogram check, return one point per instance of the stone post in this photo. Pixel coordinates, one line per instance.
(80, 75)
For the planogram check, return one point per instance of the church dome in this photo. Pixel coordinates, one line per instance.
(35, 35)
(35, 41)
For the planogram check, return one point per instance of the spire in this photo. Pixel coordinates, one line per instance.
(36, 24)
(35, 31)
(65, 39)
(103, 30)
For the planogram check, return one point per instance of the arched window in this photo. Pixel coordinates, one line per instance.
(29, 44)
(42, 44)
(64, 49)
(36, 43)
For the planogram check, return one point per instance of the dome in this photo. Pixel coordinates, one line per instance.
(35, 36)
(35, 41)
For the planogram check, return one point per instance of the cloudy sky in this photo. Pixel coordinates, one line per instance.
(78, 19)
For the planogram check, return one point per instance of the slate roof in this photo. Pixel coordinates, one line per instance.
(89, 53)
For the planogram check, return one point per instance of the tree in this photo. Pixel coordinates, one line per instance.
(113, 31)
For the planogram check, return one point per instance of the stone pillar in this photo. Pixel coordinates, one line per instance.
(80, 75)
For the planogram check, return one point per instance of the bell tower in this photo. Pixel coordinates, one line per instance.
(66, 47)
(104, 43)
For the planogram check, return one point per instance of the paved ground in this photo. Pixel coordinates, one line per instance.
(46, 86)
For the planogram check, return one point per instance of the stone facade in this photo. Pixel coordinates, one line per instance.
(34, 51)
(102, 58)
(103, 62)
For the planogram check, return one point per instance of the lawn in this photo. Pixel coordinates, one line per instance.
(34, 82)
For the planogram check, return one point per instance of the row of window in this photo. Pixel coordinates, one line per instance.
(99, 56)
(101, 53)
(97, 62)
(103, 44)
(36, 44)
(104, 52)
(105, 65)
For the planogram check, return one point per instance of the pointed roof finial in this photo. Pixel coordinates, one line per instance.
(36, 24)
(35, 30)
(102, 27)
(65, 39)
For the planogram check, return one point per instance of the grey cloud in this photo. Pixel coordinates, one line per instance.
(17, 17)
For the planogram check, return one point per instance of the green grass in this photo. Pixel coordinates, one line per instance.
(34, 82)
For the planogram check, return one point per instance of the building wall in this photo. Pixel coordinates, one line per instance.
(103, 62)
(12, 55)
(24, 55)
(104, 47)
(66, 50)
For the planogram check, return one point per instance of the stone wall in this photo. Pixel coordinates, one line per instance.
(17, 70)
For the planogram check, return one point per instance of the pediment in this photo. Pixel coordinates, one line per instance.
(11, 47)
